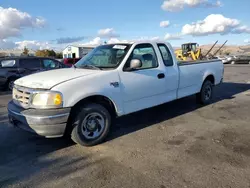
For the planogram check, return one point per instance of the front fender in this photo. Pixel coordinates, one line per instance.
(99, 84)
(116, 102)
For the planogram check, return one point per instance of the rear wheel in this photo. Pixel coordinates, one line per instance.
(206, 94)
(91, 125)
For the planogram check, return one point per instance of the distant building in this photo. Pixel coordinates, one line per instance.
(76, 51)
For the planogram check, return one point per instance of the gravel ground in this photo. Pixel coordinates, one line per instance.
(179, 144)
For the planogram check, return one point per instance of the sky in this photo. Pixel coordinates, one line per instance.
(55, 24)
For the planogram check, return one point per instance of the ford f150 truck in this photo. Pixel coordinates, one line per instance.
(111, 81)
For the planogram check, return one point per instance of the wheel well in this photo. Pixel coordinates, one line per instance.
(12, 78)
(98, 99)
(210, 78)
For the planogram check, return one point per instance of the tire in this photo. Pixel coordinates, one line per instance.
(206, 94)
(91, 125)
(10, 84)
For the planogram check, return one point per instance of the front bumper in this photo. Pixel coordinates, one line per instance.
(44, 122)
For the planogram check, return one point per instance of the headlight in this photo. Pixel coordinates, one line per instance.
(47, 100)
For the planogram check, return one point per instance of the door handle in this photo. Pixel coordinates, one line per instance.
(161, 76)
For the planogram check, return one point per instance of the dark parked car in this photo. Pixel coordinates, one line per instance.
(12, 68)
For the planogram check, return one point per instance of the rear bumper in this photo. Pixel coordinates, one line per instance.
(44, 122)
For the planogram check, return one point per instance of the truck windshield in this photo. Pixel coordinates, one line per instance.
(105, 56)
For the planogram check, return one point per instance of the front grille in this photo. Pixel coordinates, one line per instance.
(21, 96)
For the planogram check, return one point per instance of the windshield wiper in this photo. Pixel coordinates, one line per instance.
(90, 66)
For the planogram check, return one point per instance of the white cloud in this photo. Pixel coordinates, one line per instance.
(169, 36)
(178, 5)
(113, 40)
(94, 42)
(215, 24)
(34, 45)
(5, 44)
(156, 38)
(12, 21)
(99, 41)
(164, 23)
(247, 41)
(241, 29)
(116, 40)
(107, 33)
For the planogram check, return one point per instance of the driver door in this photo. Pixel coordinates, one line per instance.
(144, 87)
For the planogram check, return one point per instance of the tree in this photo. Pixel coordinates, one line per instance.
(25, 51)
(2, 54)
(51, 53)
(59, 55)
(41, 53)
(45, 53)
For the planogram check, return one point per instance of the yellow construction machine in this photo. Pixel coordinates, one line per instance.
(192, 52)
(188, 51)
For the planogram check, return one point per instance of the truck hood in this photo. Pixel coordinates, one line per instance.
(48, 79)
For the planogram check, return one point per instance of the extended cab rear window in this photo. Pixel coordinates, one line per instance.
(8, 63)
(166, 55)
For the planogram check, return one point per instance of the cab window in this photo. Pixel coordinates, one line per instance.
(146, 54)
(50, 64)
(166, 55)
(8, 63)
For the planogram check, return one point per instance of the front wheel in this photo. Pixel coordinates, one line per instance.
(206, 94)
(91, 125)
(10, 84)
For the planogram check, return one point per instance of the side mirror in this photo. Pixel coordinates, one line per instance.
(21, 70)
(135, 64)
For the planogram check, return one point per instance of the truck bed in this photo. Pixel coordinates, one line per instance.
(192, 74)
(182, 63)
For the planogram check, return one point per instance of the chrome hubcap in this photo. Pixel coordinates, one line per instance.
(208, 92)
(93, 125)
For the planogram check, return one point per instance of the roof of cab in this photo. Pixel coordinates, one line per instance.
(139, 42)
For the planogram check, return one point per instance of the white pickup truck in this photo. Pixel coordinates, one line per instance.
(111, 81)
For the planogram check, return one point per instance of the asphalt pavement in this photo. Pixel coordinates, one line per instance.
(179, 144)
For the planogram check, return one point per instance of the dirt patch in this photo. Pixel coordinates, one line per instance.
(177, 140)
(213, 155)
(200, 138)
(236, 141)
(225, 146)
